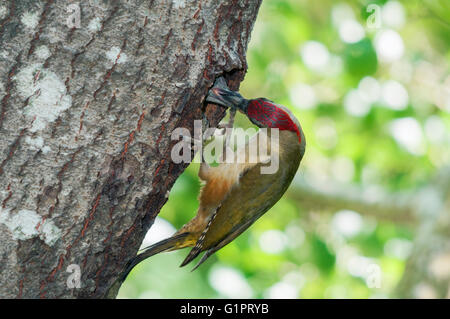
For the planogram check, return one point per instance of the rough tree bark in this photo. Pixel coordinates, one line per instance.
(90, 92)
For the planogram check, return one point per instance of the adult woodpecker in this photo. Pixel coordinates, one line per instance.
(236, 194)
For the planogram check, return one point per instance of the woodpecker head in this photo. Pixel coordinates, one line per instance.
(261, 112)
(265, 113)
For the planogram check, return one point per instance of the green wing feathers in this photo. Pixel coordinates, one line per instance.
(254, 195)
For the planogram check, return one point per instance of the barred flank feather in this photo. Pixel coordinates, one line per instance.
(199, 245)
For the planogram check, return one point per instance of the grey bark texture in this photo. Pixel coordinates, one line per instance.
(90, 92)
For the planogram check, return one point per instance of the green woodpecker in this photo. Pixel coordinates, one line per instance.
(236, 194)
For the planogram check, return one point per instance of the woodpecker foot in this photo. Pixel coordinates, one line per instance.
(230, 125)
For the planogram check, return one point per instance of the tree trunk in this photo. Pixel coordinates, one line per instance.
(90, 92)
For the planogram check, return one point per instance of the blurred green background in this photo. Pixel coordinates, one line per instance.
(369, 82)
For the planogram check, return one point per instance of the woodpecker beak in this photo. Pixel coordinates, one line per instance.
(220, 94)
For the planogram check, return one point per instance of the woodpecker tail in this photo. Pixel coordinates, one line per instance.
(172, 243)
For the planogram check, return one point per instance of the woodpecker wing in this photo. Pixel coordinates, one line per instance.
(233, 234)
(248, 200)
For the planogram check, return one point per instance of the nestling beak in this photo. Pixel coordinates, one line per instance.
(220, 94)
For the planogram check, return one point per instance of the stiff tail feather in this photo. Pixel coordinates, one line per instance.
(163, 245)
